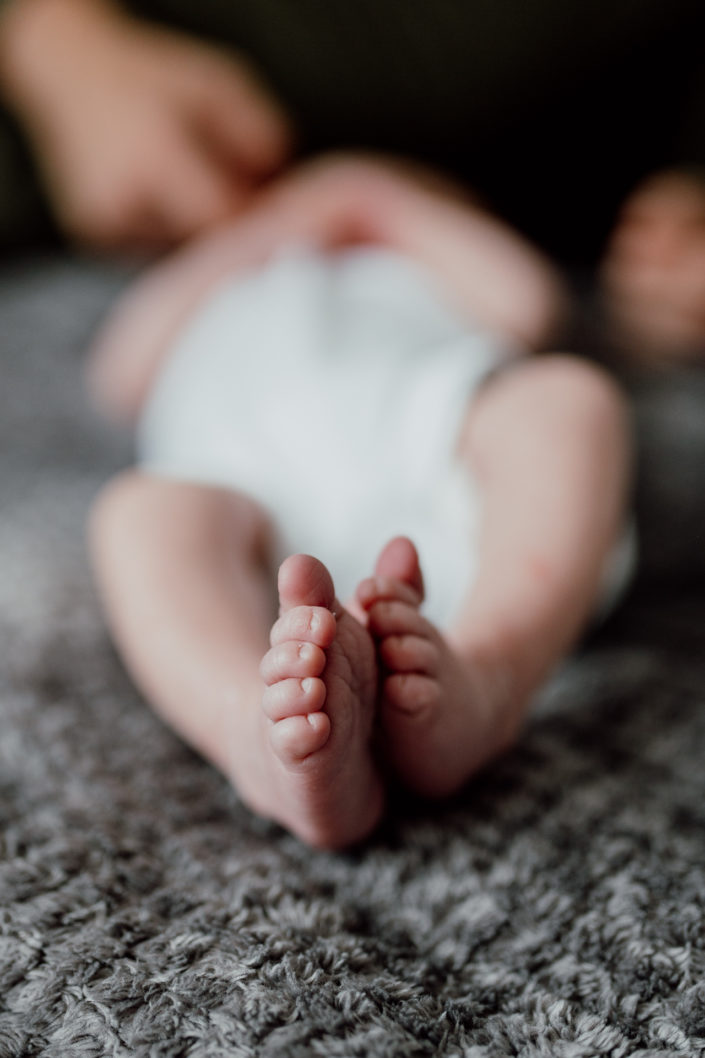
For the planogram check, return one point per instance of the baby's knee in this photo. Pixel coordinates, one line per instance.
(112, 506)
(132, 501)
(557, 396)
(585, 391)
(559, 384)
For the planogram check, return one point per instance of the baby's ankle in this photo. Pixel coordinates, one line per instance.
(503, 684)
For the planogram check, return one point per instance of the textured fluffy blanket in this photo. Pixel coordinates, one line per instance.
(556, 908)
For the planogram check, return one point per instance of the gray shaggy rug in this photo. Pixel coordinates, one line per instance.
(555, 908)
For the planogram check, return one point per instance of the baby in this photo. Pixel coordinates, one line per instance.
(346, 363)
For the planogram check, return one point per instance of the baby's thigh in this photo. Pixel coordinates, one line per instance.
(559, 392)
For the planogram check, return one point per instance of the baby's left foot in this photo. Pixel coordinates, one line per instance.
(440, 720)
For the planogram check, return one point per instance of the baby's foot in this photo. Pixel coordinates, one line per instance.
(318, 712)
(436, 712)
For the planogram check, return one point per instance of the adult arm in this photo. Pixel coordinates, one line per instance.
(143, 136)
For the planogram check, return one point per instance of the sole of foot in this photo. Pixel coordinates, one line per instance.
(435, 710)
(320, 779)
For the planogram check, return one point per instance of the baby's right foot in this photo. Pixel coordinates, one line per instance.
(320, 779)
(439, 712)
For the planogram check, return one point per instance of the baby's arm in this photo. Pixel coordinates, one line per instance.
(488, 270)
(128, 350)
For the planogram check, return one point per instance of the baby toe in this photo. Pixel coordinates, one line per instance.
(311, 624)
(293, 697)
(304, 581)
(375, 589)
(297, 737)
(411, 693)
(292, 658)
(408, 653)
(399, 559)
(390, 617)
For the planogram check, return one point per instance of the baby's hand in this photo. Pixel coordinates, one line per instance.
(144, 136)
(654, 272)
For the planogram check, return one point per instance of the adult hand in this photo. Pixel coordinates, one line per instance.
(144, 136)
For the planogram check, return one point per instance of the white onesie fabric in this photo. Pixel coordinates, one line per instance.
(332, 389)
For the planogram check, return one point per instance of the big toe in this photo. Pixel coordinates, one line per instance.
(399, 560)
(397, 576)
(304, 581)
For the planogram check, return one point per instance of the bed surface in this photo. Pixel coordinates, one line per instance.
(555, 908)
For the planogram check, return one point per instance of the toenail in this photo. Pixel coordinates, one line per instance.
(307, 684)
(303, 650)
(314, 622)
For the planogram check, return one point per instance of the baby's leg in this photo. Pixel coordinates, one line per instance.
(548, 444)
(184, 573)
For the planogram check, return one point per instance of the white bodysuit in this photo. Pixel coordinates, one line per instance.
(332, 389)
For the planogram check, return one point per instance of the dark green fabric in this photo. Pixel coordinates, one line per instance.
(552, 110)
(24, 215)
